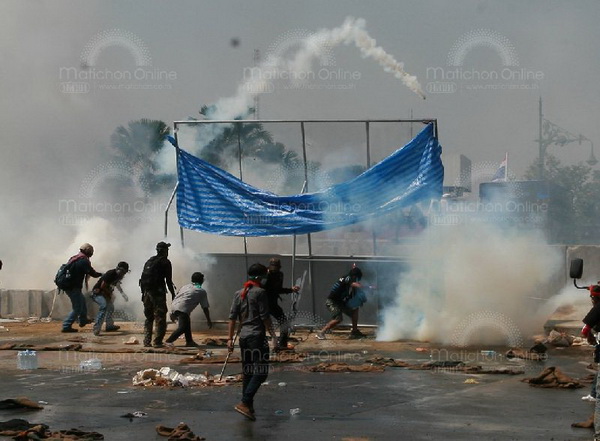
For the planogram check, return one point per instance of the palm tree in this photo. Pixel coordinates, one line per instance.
(138, 145)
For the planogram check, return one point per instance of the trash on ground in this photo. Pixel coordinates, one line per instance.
(166, 376)
(93, 364)
(131, 341)
(295, 411)
(589, 424)
(421, 349)
(282, 384)
(136, 414)
(388, 362)
(526, 355)
(27, 360)
(345, 367)
(552, 377)
(19, 403)
(14, 426)
(215, 342)
(560, 339)
(471, 381)
(180, 432)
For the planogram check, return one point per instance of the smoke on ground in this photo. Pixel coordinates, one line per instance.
(471, 284)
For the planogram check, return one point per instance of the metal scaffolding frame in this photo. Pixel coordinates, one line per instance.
(310, 257)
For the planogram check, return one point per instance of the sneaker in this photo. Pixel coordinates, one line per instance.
(356, 334)
(320, 335)
(69, 330)
(158, 345)
(113, 329)
(96, 332)
(169, 345)
(84, 322)
(589, 398)
(245, 410)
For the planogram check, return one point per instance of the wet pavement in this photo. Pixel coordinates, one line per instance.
(395, 404)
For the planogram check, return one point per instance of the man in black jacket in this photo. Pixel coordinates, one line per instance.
(157, 271)
(274, 287)
(81, 267)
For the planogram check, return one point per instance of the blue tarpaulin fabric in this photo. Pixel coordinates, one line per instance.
(213, 201)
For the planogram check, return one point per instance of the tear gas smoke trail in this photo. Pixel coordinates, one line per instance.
(312, 47)
(464, 270)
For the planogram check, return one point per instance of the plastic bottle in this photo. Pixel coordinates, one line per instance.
(93, 364)
(21, 360)
(32, 360)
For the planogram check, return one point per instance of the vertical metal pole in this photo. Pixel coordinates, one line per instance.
(541, 141)
(175, 130)
(239, 139)
(373, 230)
(310, 263)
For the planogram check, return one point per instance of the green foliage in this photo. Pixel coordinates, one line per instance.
(581, 211)
(138, 146)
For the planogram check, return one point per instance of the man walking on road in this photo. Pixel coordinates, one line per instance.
(250, 306)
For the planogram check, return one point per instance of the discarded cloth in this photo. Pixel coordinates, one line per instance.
(41, 431)
(552, 377)
(19, 403)
(181, 432)
(589, 424)
(14, 426)
(345, 367)
(168, 377)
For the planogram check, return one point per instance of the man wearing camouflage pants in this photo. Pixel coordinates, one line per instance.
(157, 271)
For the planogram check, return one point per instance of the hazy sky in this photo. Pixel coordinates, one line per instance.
(52, 138)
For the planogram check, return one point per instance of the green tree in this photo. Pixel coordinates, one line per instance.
(139, 145)
(579, 210)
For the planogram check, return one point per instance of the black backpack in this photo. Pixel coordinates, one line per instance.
(64, 276)
(151, 274)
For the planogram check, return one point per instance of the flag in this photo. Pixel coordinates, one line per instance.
(502, 172)
(213, 201)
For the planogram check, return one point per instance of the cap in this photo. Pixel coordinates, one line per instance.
(87, 248)
(123, 266)
(275, 262)
(162, 246)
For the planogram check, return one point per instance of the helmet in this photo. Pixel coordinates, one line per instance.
(257, 270)
(162, 246)
(124, 266)
(275, 262)
(86, 249)
(197, 277)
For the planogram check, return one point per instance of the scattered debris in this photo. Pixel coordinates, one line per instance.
(552, 377)
(388, 362)
(166, 376)
(132, 341)
(136, 414)
(19, 403)
(589, 424)
(181, 432)
(14, 426)
(526, 355)
(215, 342)
(560, 339)
(471, 381)
(345, 367)
(209, 359)
(422, 350)
(22, 430)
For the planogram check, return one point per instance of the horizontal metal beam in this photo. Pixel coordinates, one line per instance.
(262, 121)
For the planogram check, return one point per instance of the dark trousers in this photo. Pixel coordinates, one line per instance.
(155, 311)
(284, 325)
(255, 365)
(183, 327)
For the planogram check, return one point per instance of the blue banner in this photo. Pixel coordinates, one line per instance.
(213, 201)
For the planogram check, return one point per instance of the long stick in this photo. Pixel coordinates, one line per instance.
(229, 354)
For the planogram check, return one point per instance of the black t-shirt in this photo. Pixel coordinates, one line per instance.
(110, 278)
(592, 319)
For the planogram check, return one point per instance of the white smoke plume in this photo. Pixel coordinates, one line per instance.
(352, 31)
(477, 272)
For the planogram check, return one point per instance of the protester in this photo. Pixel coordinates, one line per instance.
(157, 271)
(102, 294)
(186, 300)
(80, 268)
(345, 297)
(274, 288)
(250, 306)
